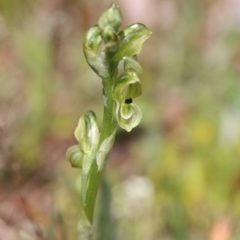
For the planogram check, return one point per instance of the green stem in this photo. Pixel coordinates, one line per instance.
(108, 127)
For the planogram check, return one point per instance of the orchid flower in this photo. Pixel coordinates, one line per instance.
(127, 87)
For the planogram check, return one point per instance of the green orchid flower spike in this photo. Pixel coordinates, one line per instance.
(104, 48)
(127, 87)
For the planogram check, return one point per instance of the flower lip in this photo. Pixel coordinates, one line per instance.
(128, 100)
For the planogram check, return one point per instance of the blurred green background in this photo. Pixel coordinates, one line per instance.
(175, 176)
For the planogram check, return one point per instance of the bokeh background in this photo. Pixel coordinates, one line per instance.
(174, 177)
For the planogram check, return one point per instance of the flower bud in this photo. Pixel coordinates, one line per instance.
(87, 133)
(109, 34)
(112, 17)
(112, 41)
(75, 156)
(92, 39)
(91, 44)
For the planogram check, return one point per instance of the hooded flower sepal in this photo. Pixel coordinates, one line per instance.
(91, 45)
(127, 87)
(132, 64)
(131, 41)
(87, 134)
(111, 40)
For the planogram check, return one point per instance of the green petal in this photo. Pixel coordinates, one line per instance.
(91, 44)
(92, 39)
(111, 40)
(126, 110)
(133, 90)
(133, 121)
(75, 156)
(131, 63)
(136, 117)
(80, 130)
(87, 133)
(128, 85)
(109, 34)
(131, 40)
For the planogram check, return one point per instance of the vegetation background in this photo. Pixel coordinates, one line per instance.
(174, 177)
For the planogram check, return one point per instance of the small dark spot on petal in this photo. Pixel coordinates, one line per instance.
(128, 100)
